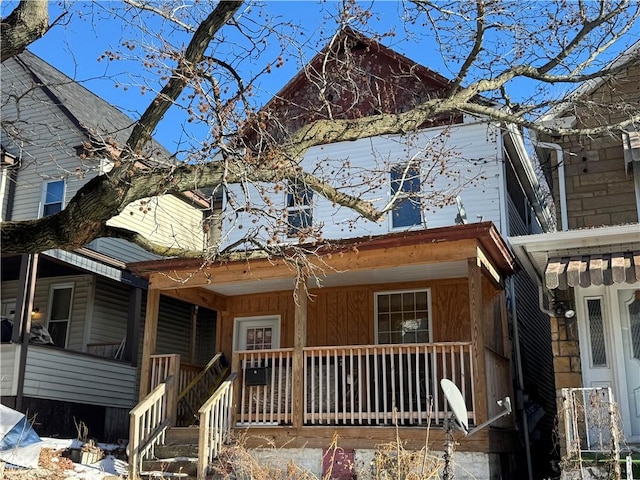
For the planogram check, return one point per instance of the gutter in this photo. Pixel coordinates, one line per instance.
(561, 179)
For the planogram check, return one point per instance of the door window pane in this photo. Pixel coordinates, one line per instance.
(634, 327)
(596, 332)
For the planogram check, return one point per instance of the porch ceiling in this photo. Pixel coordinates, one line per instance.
(405, 273)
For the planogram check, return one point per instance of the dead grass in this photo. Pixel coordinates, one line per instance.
(51, 466)
(391, 461)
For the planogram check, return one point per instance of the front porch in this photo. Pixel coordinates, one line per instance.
(310, 362)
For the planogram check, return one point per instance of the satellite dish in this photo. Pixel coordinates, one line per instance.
(459, 413)
(456, 403)
(461, 218)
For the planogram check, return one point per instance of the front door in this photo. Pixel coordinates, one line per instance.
(629, 305)
(257, 333)
(595, 330)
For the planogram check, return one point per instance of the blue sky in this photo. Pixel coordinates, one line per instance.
(77, 43)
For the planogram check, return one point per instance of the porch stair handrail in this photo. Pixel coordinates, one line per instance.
(149, 421)
(200, 388)
(215, 424)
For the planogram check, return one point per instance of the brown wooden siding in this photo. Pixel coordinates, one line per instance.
(344, 315)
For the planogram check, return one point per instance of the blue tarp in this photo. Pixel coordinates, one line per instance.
(18, 440)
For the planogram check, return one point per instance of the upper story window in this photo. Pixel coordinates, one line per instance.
(299, 208)
(403, 317)
(53, 196)
(405, 184)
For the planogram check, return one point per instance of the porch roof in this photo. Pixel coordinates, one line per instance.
(582, 258)
(415, 255)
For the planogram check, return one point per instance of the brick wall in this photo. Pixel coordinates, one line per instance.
(566, 353)
(599, 190)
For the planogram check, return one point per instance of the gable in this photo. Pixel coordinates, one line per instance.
(353, 77)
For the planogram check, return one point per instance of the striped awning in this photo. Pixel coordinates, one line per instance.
(594, 269)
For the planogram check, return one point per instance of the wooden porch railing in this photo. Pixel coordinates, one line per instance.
(266, 383)
(215, 425)
(384, 384)
(155, 413)
(200, 387)
(355, 385)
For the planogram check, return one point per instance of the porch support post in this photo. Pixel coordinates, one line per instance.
(477, 340)
(149, 340)
(299, 342)
(22, 319)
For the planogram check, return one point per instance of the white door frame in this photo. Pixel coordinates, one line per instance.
(613, 341)
(259, 320)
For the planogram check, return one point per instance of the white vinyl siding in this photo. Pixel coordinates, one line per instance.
(9, 363)
(167, 220)
(473, 153)
(82, 289)
(47, 151)
(62, 375)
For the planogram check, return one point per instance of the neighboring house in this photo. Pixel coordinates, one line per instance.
(394, 306)
(592, 266)
(89, 303)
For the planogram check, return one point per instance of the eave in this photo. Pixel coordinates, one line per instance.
(408, 256)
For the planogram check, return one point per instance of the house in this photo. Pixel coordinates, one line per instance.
(592, 266)
(355, 340)
(87, 306)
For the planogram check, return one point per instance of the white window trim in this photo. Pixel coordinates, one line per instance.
(259, 320)
(387, 292)
(61, 286)
(43, 196)
(605, 331)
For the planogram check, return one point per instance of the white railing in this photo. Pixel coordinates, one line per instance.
(266, 385)
(148, 423)
(354, 385)
(591, 420)
(215, 425)
(384, 384)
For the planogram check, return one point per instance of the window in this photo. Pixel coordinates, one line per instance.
(596, 333)
(53, 197)
(405, 183)
(299, 215)
(60, 303)
(403, 317)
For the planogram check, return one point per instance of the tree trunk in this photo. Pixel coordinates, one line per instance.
(27, 23)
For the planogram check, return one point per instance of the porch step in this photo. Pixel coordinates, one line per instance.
(175, 451)
(181, 436)
(171, 467)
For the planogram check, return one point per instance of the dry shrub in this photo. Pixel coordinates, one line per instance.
(51, 459)
(391, 462)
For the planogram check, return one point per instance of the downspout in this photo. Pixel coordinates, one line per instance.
(561, 180)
